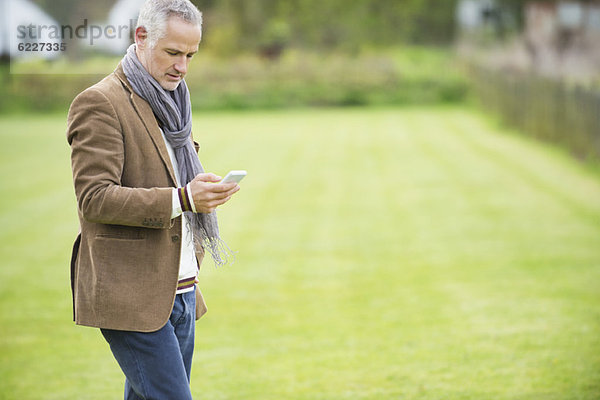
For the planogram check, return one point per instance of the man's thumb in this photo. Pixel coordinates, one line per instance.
(208, 177)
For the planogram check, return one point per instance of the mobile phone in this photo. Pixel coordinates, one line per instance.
(234, 176)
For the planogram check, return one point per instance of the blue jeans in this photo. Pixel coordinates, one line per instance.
(157, 364)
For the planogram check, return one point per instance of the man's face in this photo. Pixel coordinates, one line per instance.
(168, 61)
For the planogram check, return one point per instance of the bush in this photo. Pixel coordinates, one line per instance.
(300, 78)
(296, 79)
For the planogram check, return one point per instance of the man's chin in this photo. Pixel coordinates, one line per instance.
(170, 86)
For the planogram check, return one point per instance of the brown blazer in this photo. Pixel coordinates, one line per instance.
(125, 262)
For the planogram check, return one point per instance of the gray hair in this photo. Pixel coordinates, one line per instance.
(155, 13)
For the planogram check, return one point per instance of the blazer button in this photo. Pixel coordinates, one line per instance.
(175, 238)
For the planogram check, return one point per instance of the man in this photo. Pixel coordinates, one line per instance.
(145, 206)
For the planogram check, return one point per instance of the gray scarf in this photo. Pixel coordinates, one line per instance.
(173, 112)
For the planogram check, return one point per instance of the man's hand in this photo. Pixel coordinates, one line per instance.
(208, 195)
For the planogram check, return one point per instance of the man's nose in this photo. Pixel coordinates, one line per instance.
(181, 65)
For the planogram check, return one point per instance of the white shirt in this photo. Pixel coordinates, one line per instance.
(188, 267)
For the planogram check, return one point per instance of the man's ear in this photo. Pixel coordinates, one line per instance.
(141, 37)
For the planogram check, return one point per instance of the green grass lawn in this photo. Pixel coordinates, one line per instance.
(414, 253)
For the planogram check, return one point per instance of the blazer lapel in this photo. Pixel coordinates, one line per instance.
(147, 116)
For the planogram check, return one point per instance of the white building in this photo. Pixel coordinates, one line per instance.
(23, 29)
(474, 14)
(121, 22)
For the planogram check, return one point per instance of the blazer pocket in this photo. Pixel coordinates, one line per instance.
(121, 272)
(124, 233)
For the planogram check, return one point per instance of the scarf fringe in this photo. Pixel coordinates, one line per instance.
(218, 249)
